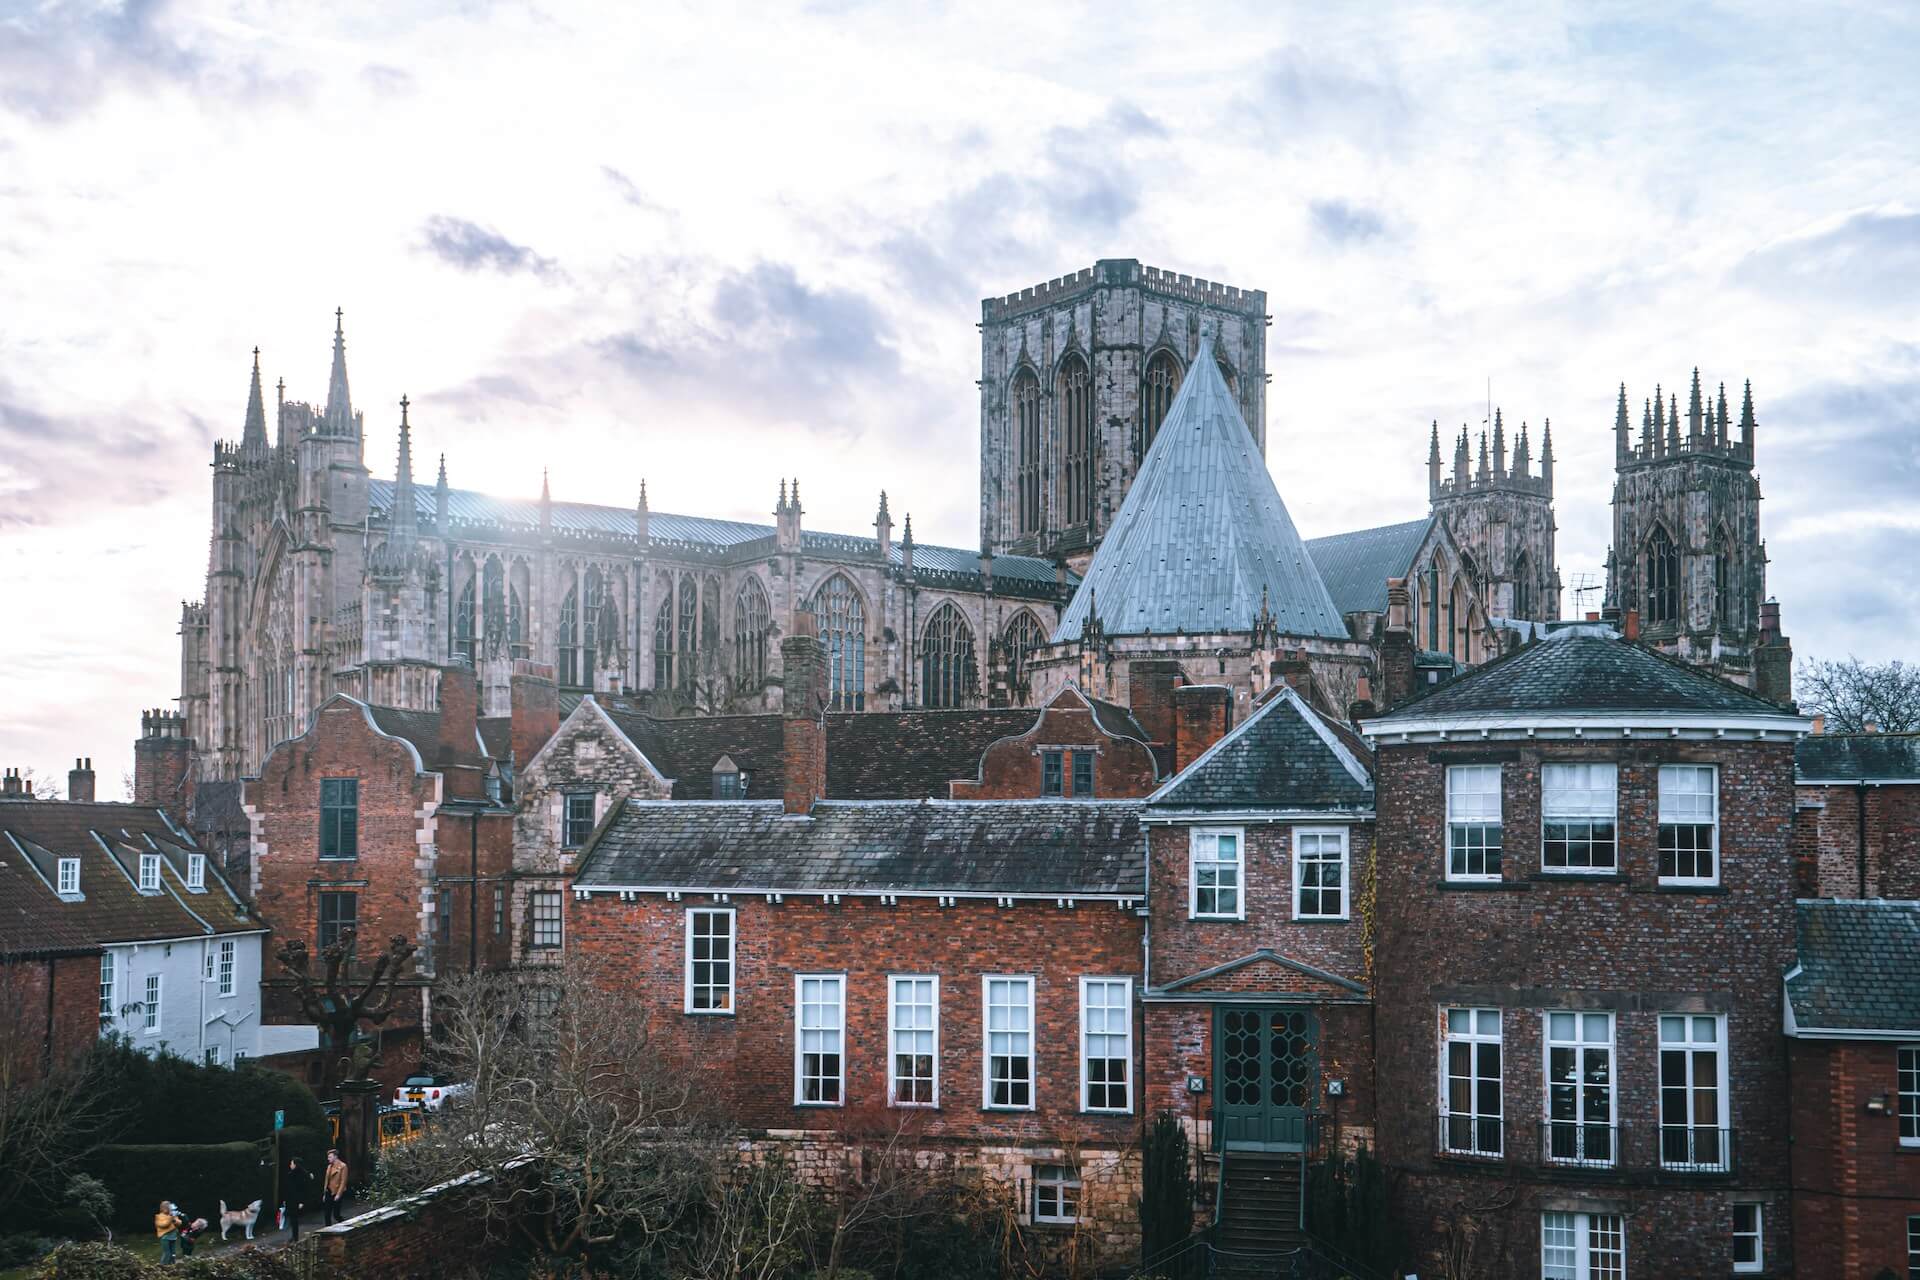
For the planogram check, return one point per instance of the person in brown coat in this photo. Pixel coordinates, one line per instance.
(333, 1189)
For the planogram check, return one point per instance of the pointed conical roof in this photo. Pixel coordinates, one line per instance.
(253, 438)
(1202, 533)
(339, 415)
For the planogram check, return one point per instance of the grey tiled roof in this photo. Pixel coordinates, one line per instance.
(1355, 566)
(1203, 534)
(1281, 757)
(884, 846)
(1581, 670)
(1859, 967)
(468, 507)
(1863, 756)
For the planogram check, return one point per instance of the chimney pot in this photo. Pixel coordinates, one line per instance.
(1631, 623)
(803, 715)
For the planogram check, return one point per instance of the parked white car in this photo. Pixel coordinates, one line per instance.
(429, 1091)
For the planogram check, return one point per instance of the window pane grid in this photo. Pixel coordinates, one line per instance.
(106, 984)
(1583, 1246)
(151, 1022)
(1056, 1193)
(1693, 1133)
(579, 819)
(226, 967)
(1689, 823)
(1107, 1045)
(822, 1027)
(1749, 1238)
(913, 1016)
(710, 962)
(339, 817)
(1009, 1042)
(1473, 822)
(1320, 874)
(1909, 1075)
(1580, 1088)
(1577, 806)
(1471, 1113)
(546, 918)
(1083, 773)
(1216, 873)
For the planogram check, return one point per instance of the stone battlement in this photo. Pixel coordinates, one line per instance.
(1124, 272)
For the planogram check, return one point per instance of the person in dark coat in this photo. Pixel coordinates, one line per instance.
(296, 1191)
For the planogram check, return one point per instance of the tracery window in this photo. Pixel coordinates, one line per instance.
(1022, 637)
(751, 615)
(569, 638)
(1663, 578)
(1723, 601)
(688, 621)
(1522, 587)
(1459, 621)
(1076, 421)
(843, 626)
(663, 641)
(463, 646)
(1157, 388)
(948, 674)
(494, 603)
(1026, 425)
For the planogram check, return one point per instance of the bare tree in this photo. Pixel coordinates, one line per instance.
(1853, 695)
(588, 1139)
(755, 1226)
(335, 1002)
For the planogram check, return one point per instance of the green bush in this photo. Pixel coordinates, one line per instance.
(188, 1102)
(1350, 1208)
(19, 1250)
(195, 1177)
(1166, 1192)
(249, 1263)
(90, 1262)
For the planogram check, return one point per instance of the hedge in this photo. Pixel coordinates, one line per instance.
(178, 1101)
(196, 1177)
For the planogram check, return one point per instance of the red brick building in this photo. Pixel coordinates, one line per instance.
(1584, 911)
(1853, 1019)
(1858, 814)
(1259, 1022)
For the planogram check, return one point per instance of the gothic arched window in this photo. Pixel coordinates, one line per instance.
(843, 634)
(1724, 603)
(493, 615)
(1157, 388)
(688, 621)
(1026, 434)
(948, 675)
(1663, 578)
(463, 647)
(751, 615)
(1459, 620)
(1021, 638)
(663, 641)
(1522, 586)
(568, 645)
(517, 593)
(1076, 429)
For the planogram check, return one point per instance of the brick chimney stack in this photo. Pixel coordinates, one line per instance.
(1202, 714)
(535, 708)
(161, 758)
(1150, 686)
(460, 733)
(1396, 647)
(80, 781)
(14, 787)
(803, 709)
(1773, 658)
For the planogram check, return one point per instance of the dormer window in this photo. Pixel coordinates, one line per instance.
(149, 873)
(196, 871)
(69, 877)
(728, 782)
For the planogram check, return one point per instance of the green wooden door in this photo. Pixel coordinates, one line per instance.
(1267, 1074)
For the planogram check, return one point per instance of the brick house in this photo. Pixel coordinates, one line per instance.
(1258, 1017)
(1857, 815)
(1853, 1022)
(1584, 911)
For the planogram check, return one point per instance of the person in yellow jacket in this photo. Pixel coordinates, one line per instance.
(166, 1225)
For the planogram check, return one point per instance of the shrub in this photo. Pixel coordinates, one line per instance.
(90, 1262)
(248, 1263)
(188, 1102)
(19, 1250)
(1166, 1192)
(194, 1177)
(1350, 1208)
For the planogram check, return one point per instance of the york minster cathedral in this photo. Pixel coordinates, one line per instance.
(1126, 512)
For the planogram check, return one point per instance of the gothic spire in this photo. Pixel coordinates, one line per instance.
(1747, 423)
(883, 508)
(1673, 425)
(1433, 463)
(280, 413)
(1484, 471)
(339, 414)
(796, 495)
(780, 507)
(403, 521)
(1462, 459)
(1546, 453)
(1646, 424)
(1694, 415)
(1721, 415)
(1499, 447)
(1622, 428)
(440, 498)
(253, 440)
(642, 520)
(1522, 453)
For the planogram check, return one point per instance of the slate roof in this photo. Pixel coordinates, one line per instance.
(1283, 756)
(108, 839)
(1203, 537)
(422, 729)
(468, 507)
(1858, 757)
(1355, 566)
(1581, 670)
(1058, 847)
(871, 755)
(1859, 967)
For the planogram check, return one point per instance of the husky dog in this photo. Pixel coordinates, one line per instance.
(238, 1218)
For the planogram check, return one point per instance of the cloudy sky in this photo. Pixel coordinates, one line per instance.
(714, 244)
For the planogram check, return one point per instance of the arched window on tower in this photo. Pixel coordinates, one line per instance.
(1026, 431)
(1157, 387)
(948, 674)
(751, 616)
(593, 635)
(493, 615)
(568, 640)
(1459, 620)
(1076, 431)
(688, 621)
(463, 647)
(1663, 578)
(1522, 586)
(843, 634)
(663, 639)
(1022, 637)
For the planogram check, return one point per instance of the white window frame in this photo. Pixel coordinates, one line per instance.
(1473, 1038)
(1661, 820)
(1583, 1226)
(68, 877)
(987, 1033)
(225, 967)
(1086, 1043)
(1497, 820)
(1722, 1098)
(800, 1030)
(1906, 1079)
(150, 1019)
(212, 1055)
(895, 1031)
(1579, 1123)
(149, 873)
(196, 871)
(733, 961)
(1061, 1177)
(1588, 813)
(537, 900)
(1209, 837)
(1346, 874)
(1758, 1235)
(108, 984)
